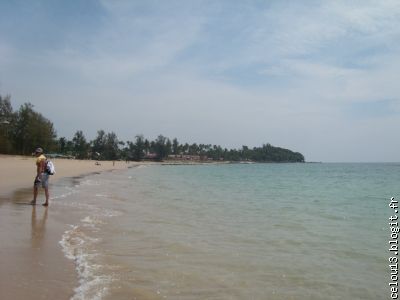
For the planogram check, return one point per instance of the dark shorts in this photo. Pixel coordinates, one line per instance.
(43, 181)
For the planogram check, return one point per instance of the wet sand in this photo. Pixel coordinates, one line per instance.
(33, 265)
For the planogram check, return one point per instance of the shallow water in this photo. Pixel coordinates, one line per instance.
(251, 231)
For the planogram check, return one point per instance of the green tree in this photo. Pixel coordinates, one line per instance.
(80, 145)
(98, 145)
(62, 145)
(6, 121)
(193, 149)
(111, 147)
(168, 147)
(32, 130)
(139, 147)
(146, 146)
(185, 148)
(161, 147)
(175, 146)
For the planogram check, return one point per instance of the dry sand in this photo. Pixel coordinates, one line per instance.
(18, 172)
(32, 264)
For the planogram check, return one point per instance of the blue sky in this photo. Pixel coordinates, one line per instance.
(318, 77)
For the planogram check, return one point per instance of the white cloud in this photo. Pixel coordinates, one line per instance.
(153, 68)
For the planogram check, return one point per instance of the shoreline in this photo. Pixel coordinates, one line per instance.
(17, 172)
(33, 263)
(33, 259)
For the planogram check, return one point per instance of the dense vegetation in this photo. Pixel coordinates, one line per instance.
(23, 130)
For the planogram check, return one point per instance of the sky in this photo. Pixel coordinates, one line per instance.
(317, 77)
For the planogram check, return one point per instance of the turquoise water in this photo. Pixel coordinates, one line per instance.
(239, 231)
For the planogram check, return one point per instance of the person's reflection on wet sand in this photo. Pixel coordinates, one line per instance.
(38, 227)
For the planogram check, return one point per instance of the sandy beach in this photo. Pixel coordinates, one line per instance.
(17, 172)
(33, 265)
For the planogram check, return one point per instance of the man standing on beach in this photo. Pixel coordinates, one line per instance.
(42, 178)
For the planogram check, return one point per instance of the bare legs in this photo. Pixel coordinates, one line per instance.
(35, 193)
(46, 191)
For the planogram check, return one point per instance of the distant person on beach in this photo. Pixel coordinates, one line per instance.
(42, 178)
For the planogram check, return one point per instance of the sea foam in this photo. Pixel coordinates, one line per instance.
(76, 246)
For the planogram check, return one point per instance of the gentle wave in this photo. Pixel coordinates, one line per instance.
(76, 244)
(79, 243)
(231, 232)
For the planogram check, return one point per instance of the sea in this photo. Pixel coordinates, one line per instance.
(231, 231)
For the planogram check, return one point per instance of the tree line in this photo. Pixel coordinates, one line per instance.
(23, 130)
